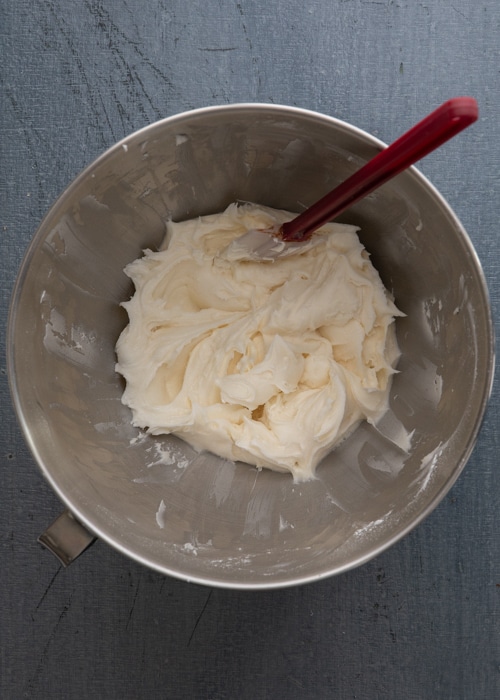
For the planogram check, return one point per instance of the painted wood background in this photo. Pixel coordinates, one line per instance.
(420, 622)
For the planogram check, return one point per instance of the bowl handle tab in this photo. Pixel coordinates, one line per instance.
(66, 538)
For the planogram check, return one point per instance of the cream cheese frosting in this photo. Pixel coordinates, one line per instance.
(270, 363)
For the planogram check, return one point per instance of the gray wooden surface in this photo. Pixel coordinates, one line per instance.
(422, 620)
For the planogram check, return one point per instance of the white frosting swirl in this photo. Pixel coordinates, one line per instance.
(271, 363)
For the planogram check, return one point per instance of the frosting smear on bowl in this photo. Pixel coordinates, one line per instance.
(270, 363)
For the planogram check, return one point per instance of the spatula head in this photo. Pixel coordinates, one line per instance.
(264, 246)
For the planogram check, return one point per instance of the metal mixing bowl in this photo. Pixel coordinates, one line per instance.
(198, 517)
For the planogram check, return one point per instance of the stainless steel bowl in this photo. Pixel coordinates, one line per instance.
(198, 517)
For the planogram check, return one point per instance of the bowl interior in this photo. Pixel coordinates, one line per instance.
(194, 515)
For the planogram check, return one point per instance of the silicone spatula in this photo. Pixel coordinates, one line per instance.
(439, 126)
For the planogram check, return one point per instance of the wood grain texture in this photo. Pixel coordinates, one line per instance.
(421, 621)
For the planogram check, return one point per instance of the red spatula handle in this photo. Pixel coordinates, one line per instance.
(430, 133)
